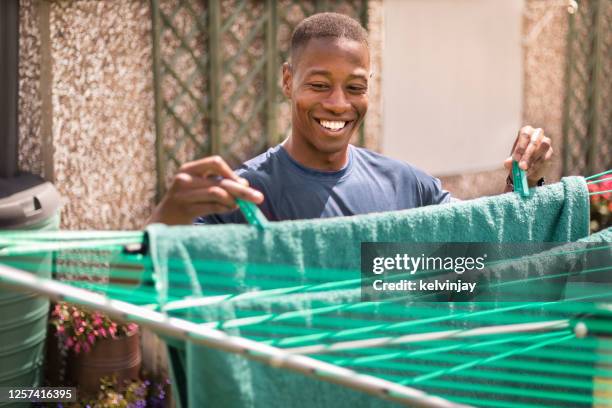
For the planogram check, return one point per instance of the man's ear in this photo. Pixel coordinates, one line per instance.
(287, 79)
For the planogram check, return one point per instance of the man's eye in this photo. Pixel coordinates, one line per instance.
(358, 89)
(318, 86)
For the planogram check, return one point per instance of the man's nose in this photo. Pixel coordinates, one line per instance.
(337, 102)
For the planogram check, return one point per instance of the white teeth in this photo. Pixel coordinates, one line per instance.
(332, 125)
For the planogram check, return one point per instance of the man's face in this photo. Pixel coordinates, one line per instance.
(328, 85)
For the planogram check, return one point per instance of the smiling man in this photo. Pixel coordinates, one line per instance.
(316, 172)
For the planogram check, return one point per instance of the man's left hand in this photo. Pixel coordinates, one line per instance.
(533, 151)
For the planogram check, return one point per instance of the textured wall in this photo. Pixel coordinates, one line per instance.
(545, 40)
(102, 108)
(30, 141)
(102, 112)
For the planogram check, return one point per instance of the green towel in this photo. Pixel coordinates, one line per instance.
(554, 213)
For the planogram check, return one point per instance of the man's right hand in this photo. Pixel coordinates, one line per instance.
(203, 187)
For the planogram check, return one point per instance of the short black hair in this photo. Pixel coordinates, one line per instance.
(327, 25)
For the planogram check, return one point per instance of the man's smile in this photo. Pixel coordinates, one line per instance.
(333, 125)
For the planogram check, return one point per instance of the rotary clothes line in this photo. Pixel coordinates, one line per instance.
(297, 285)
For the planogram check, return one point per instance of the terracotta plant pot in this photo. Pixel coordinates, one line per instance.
(120, 357)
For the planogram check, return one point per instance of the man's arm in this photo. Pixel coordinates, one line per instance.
(202, 187)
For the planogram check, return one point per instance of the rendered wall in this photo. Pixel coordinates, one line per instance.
(94, 89)
(103, 112)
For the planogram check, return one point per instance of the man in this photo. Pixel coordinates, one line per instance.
(316, 172)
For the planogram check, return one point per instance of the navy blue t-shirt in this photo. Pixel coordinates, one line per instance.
(369, 183)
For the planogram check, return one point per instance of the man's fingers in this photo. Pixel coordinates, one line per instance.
(202, 196)
(548, 154)
(538, 165)
(223, 191)
(535, 139)
(532, 148)
(210, 208)
(208, 186)
(186, 181)
(522, 141)
(508, 164)
(209, 166)
(212, 194)
(541, 150)
(240, 191)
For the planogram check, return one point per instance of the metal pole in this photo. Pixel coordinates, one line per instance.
(219, 340)
(9, 87)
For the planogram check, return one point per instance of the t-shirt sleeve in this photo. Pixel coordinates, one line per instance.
(431, 189)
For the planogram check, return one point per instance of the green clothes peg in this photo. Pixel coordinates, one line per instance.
(253, 215)
(519, 179)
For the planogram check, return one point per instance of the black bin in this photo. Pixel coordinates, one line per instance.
(27, 202)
